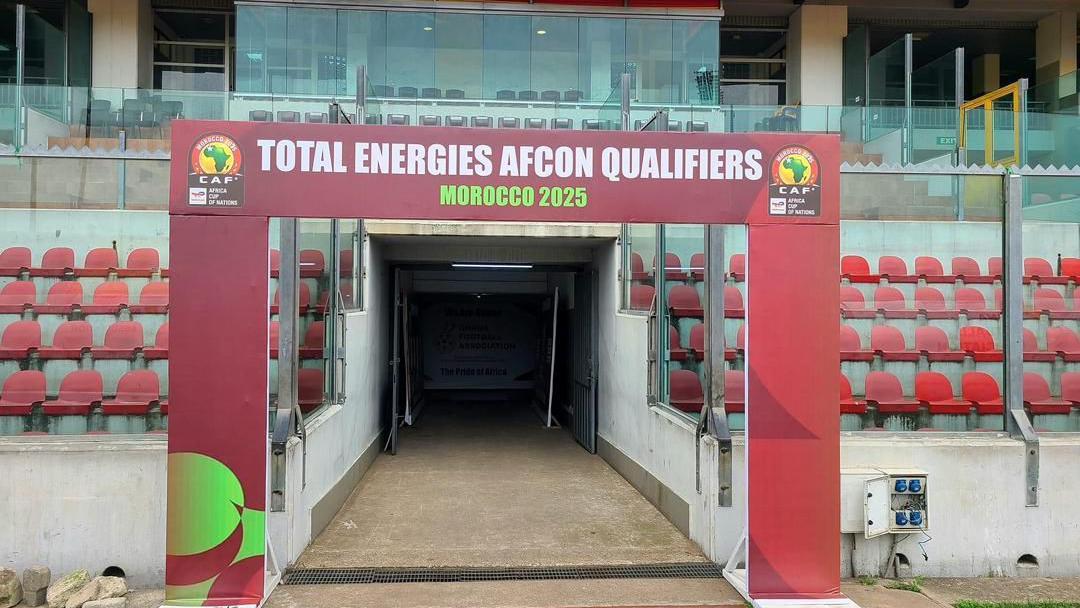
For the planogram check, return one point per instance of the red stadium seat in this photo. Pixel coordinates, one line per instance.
(697, 266)
(312, 263)
(314, 339)
(996, 267)
(1032, 352)
(135, 392)
(740, 338)
(21, 391)
(641, 297)
(931, 302)
(1070, 387)
(63, 296)
(697, 341)
(935, 391)
(1041, 271)
(883, 389)
(1064, 342)
(675, 350)
(1070, 267)
(932, 342)
(848, 404)
(304, 299)
(888, 342)
(17, 296)
(109, 298)
(978, 343)
(1038, 399)
(967, 269)
(737, 266)
(685, 391)
(637, 267)
(895, 269)
(56, 262)
(733, 303)
(683, 301)
(853, 304)
(734, 391)
(275, 262)
(971, 302)
(275, 339)
(69, 341)
(309, 387)
(856, 269)
(160, 349)
(14, 260)
(141, 262)
(673, 270)
(122, 339)
(19, 338)
(153, 299)
(79, 390)
(345, 262)
(851, 346)
(892, 303)
(931, 270)
(99, 262)
(981, 389)
(1052, 302)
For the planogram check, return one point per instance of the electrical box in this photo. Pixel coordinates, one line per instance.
(883, 501)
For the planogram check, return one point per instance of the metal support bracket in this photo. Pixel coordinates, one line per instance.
(1017, 422)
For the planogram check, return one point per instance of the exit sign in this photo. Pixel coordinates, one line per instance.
(946, 140)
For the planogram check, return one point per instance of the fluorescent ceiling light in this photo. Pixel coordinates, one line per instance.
(427, 28)
(541, 32)
(490, 266)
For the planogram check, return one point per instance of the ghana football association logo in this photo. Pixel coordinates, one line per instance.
(795, 187)
(215, 179)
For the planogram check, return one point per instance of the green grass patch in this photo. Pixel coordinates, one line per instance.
(975, 604)
(867, 581)
(914, 585)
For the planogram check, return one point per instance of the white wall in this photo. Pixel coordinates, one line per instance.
(83, 230)
(122, 43)
(84, 502)
(815, 55)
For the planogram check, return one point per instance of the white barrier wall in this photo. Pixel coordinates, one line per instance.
(83, 230)
(980, 525)
(84, 502)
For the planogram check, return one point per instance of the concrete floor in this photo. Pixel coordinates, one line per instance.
(484, 484)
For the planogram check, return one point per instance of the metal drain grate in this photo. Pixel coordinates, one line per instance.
(362, 576)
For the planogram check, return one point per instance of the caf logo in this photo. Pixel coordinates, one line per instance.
(215, 154)
(795, 166)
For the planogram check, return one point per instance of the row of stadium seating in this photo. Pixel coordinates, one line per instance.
(935, 404)
(891, 269)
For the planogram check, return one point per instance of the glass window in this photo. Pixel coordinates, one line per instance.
(649, 60)
(315, 245)
(601, 56)
(361, 38)
(260, 49)
(45, 59)
(8, 48)
(920, 301)
(554, 53)
(506, 55)
(458, 64)
(410, 52)
(638, 286)
(1051, 248)
(350, 267)
(311, 60)
(697, 47)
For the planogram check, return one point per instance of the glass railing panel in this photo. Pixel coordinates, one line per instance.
(609, 114)
(1059, 95)
(1051, 249)
(886, 75)
(60, 182)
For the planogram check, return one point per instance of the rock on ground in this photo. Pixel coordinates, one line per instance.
(36, 577)
(10, 588)
(102, 587)
(111, 602)
(60, 591)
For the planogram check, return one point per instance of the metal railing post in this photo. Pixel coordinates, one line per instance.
(361, 94)
(713, 413)
(624, 102)
(287, 415)
(1016, 420)
(20, 60)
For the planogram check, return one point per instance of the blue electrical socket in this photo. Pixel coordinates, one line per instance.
(914, 486)
(901, 518)
(915, 517)
(901, 485)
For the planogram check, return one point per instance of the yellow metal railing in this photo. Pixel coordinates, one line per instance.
(1010, 94)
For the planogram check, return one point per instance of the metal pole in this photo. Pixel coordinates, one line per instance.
(909, 43)
(624, 102)
(1016, 420)
(361, 94)
(20, 60)
(715, 343)
(286, 413)
(1021, 115)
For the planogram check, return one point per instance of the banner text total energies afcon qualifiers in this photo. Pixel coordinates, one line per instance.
(510, 161)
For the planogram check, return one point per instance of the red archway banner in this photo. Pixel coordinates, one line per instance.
(228, 178)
